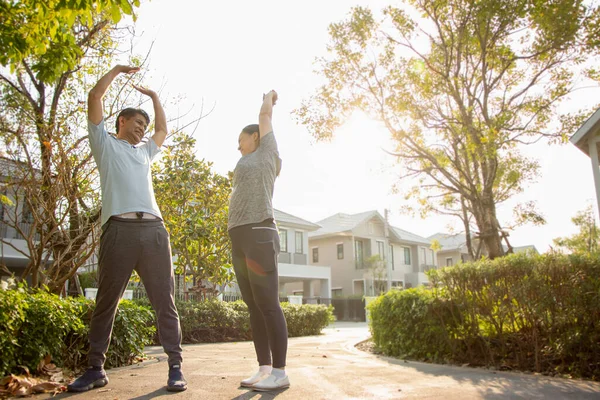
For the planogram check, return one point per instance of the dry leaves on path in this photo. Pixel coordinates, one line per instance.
(19, 386)
(49, 381)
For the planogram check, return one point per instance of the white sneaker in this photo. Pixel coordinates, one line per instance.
(257, 377)
(272, 383)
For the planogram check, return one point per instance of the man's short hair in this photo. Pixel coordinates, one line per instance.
(131, 112)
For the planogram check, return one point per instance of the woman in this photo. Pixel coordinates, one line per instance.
(255, 246)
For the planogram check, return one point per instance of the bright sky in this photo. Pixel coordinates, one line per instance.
(226, 54)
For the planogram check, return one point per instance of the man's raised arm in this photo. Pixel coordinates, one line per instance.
(160, 119)
(95, 96)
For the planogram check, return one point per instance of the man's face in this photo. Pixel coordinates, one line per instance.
(133, 128)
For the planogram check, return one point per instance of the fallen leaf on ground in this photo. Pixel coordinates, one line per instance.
(47, 387)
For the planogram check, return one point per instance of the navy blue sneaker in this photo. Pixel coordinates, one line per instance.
(92, 378)
(176, 382)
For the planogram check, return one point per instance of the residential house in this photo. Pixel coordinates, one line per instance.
(348, 242)
(454, 248)
(529, 249)
(16, 222)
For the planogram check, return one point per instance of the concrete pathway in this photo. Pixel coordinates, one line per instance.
(328, 367)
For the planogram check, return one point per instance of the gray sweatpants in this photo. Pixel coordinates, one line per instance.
(143, 245)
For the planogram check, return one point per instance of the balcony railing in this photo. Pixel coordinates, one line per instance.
(300, 259)
(285, 258)
(426, 267)
(7, 232)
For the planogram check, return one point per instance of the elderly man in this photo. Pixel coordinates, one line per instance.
(133, 234)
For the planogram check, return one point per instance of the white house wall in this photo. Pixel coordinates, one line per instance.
(343, 271)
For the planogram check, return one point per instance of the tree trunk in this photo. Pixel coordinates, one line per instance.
(484, 211)
(466, 222)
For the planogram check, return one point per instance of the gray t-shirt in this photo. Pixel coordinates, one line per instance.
(125, 176)
(253, 183)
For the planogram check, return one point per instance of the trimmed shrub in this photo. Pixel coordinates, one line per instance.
(219, 321)
(533, 313)
(404, 324)
(88, 279)
(213, 321)
(306, 319)
(34, 323)
(12, 315)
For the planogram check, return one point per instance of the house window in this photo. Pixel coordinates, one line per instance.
(407, 256)
(315, 254)
(424, 255)
(299, 242)
(26, 214)
(283, 240)
(381, 250)
(358, 254)
(449, 261)
(392, 255)
(2, 194)
(337, 292)
(431, 257)
(340, 251)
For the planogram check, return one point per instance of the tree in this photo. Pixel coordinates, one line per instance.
(194, 203)
(376, 267)
(55, 205)
(40, 32)
(587, 240)
(460, 89)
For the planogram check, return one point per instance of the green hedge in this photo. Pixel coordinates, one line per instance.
(307, 319)
(36, 323)
(532, 313)
(220, 321)
(404, 324)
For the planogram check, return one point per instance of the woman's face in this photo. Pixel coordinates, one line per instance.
(247, 142)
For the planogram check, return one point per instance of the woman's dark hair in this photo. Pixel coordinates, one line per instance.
(130, 112)
(252, 128)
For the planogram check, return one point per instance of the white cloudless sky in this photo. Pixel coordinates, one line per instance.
(227, 54)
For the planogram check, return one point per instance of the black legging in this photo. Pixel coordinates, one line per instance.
(255, 248)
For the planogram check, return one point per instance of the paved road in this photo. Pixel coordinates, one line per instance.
(328, 367)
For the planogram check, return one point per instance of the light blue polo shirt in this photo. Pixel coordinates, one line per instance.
(125, 175)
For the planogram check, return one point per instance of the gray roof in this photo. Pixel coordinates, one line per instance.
(586, 131)
(407, 236)
(289, 219)
(523, 249)
(457, 241)
(8, 167)
(341, 222)
(344, 223)
(449, 241)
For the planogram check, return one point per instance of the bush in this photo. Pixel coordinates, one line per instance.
(536, 313)
(213, 321)
(12, 315)
(219, 321)
(34, 323)
(88, 279)
(404, 324)
(306, 319)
